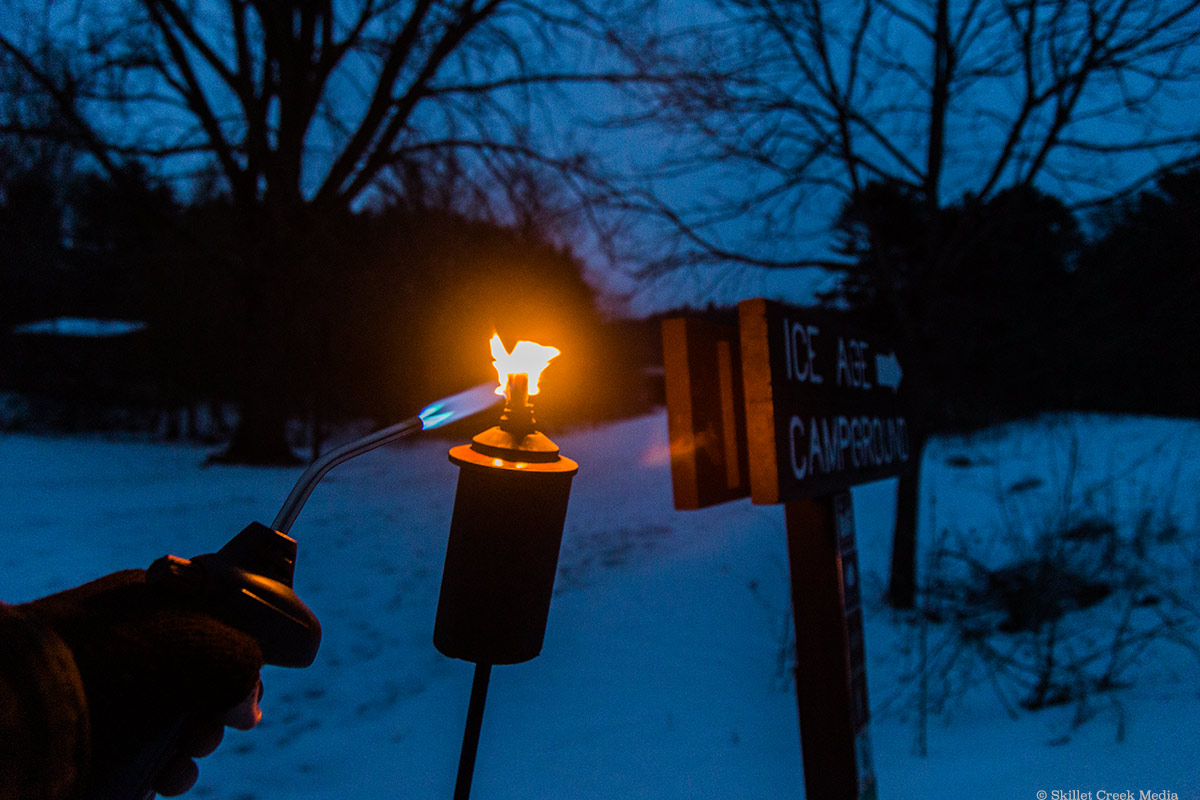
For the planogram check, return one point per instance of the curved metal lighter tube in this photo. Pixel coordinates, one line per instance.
(248, 585)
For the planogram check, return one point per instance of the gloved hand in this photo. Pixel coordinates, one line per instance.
(147, 658)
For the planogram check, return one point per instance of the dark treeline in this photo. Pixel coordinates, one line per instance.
(399, 314)
(1016, 311)
(1005, 308)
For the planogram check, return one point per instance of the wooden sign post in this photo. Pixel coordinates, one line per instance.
(819, 412)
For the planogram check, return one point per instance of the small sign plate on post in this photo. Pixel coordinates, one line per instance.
(822, 403)
(856, 659)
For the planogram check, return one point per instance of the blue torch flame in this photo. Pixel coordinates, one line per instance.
(464, 404)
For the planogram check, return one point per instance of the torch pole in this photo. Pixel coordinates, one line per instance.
(470, 744)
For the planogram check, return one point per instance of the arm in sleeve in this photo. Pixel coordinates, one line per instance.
(44, 736)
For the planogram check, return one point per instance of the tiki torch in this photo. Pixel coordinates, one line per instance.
(507, 526)
(505, 533)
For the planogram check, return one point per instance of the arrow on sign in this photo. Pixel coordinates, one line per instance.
(887, 371)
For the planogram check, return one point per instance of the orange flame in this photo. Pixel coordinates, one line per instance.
(526, 357)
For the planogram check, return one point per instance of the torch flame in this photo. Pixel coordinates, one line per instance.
(526, 357)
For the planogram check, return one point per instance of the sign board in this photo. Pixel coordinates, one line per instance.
(823, 409)
(706, 418)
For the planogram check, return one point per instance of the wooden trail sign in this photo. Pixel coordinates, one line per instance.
(707, 418)
(822, 403)
(793, 406)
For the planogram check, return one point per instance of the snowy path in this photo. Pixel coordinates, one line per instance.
(661, 675)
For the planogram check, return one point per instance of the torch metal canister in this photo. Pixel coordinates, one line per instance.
(505, 534)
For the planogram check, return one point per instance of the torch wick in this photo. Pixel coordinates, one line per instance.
(516, 391)
(517, 418)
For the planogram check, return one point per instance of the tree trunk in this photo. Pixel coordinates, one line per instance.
(902, 586)
(269, 341)
(260, 438)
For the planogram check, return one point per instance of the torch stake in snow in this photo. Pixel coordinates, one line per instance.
(505, 533)
(501, 558)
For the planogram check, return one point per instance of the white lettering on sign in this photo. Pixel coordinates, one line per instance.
(799, 351)
(799, 468)
(819, 446)
(827, 445)
(852, 364)
(887, 371)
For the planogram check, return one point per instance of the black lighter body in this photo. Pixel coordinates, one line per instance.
(509, 511)
(247, 584)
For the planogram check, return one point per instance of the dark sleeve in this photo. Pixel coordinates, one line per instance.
(43, 714)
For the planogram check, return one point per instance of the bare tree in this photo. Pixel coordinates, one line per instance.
(1084, 99)
(793, 109)
(304, 108)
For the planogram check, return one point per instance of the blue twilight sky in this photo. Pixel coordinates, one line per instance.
(573, 117)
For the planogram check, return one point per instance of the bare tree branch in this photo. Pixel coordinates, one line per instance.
(947, 97)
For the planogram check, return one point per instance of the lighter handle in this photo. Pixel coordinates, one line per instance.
(134, 778)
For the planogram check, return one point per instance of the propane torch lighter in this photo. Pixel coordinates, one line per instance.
(247, 584)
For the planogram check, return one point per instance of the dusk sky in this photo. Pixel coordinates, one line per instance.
(891, 91)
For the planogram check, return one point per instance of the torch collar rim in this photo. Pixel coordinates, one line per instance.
(466, 455)
(500, 442)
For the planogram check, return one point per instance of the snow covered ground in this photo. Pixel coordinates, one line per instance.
(664, 671)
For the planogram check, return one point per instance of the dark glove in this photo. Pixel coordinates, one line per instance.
(147, 658)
